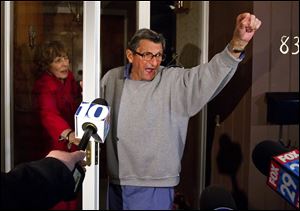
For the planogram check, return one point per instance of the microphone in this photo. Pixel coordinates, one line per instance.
(263, 153)
(281, 166)
(91, 120)
(216, 198)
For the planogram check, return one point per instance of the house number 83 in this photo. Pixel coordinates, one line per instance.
(284, 48)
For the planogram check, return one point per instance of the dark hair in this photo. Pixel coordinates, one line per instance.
(47, 52)
(146, 34)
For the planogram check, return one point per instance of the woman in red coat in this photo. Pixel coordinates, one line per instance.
(56, 97)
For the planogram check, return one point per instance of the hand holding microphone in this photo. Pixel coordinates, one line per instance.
(91, 120)
(68, 158)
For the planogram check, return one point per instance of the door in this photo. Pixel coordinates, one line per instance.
(228, 120)
(77, 24)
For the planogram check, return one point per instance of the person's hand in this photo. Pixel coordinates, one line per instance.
(69, 158)
(72, 139)
(246, 26)
(69, 136)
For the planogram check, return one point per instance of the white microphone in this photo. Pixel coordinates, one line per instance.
(92, 119)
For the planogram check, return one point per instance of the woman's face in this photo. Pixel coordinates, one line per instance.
(60, 67)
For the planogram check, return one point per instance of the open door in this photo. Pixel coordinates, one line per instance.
(78, 25)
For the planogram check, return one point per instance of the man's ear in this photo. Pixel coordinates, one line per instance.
(129, 55)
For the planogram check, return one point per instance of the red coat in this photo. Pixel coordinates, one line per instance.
(55, 104)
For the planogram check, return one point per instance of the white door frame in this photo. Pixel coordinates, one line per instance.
(203, 116)
(8, 90)
(143, 14)
(91, 91)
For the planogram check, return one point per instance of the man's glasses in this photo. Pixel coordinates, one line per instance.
(148, 56)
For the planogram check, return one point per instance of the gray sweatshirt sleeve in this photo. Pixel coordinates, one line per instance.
(195, 87)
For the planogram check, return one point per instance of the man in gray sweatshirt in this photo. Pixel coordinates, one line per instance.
(150, 109)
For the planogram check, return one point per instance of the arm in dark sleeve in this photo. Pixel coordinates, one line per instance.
(38, 184)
